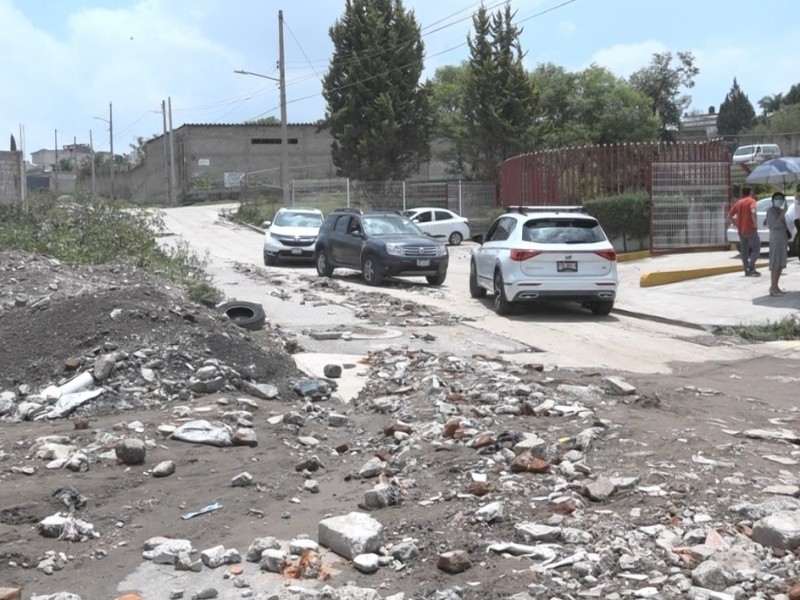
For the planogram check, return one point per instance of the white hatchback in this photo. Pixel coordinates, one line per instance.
(533, 254)
(291, 234)
(440, 223)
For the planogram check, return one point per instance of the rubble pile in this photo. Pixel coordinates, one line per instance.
(145, 439)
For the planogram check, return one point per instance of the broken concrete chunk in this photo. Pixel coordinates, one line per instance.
(779, 530)
(367, 563)
(258, 546)
(350, 535)
(619, 386)
(264, 391)
(272, 560)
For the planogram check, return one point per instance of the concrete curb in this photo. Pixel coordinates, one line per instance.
(629, 256)
(663, 277)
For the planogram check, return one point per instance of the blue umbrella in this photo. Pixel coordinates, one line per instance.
(785, 170)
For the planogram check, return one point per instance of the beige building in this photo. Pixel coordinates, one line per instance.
(217, 161)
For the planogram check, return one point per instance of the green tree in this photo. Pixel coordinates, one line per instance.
(736, 113)
(500, 102)
(591, 107)
(770, 104)
(377, 110)
(786, 119)
(270, 120)
(792, 96)
(661, 81)
(447, 112)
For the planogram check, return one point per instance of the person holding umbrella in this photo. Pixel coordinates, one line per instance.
(743, 215)
(778, 241)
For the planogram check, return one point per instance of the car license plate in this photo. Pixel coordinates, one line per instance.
(296, 251)
(423, 262)
(569, 266)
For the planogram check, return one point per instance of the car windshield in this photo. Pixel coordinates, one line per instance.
(390, 225)
(298, 219)
(744, 150)
(562, 231)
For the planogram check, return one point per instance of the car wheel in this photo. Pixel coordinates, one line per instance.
(371, 271)
(475, 290)
(455, 238)
(269, 259)
(247, 315)
(322, 260)
(436, 279)
(501, 304)
(602, 307)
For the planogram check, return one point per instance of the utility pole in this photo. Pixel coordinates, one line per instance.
(55, 165)
(284, 124)
(111, 147)
(166, 154)
(172, 178)
(91, 156)
(23, 188)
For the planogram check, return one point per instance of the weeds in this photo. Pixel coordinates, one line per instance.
(89, 230)
(785, 329)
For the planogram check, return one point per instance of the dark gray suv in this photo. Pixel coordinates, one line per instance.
(379, 244)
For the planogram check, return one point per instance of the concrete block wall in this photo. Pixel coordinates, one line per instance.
(10, 177)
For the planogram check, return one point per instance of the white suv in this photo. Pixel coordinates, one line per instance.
(291, 234)
(533, 254)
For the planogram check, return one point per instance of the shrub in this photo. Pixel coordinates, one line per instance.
(92, 231)
(625, 215)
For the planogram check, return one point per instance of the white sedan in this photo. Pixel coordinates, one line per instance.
(440, 223)
(762, 206)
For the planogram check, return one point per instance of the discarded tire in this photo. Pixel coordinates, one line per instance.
(247, 315)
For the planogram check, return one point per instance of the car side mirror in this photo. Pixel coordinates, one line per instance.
(478, 238)
(266, 224)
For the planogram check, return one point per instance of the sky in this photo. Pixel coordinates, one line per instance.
(65, 61)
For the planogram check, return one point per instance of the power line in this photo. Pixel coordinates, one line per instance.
(285, 24)
(383, 73)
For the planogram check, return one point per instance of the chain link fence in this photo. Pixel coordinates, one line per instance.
(477, 201)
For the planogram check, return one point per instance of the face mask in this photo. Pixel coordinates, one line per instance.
(778, 203)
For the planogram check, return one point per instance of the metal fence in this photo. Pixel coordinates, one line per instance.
(474, 200)
(689, 202)
(568, 176)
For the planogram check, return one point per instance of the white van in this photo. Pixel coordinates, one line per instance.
(755, 154)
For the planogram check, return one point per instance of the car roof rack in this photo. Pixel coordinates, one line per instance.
(531, 209)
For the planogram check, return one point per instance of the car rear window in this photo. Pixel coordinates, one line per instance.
(563, 231)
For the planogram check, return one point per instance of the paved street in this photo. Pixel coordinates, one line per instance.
(652, 328)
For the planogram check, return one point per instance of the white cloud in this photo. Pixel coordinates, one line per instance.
(625, 59)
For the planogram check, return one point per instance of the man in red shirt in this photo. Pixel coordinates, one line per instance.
(743, 215)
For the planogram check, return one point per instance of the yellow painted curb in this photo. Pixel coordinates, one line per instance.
(664, 277)
(628, 256)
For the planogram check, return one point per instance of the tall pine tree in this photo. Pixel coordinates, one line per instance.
(499, 105)
(377, 110)
(736, 113)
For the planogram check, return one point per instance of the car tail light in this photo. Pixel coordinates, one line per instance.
(607, 254)
(521, 255)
